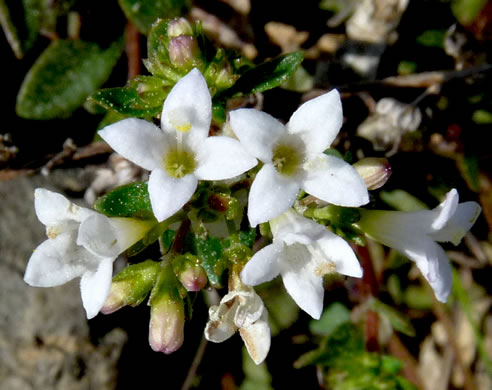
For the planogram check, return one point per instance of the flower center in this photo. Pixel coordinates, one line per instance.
(286, 159)
(179, 162)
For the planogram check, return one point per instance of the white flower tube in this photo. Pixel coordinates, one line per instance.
(179, 153)
(414, 234)
(302, 252)
(293, 158)
(81, 243)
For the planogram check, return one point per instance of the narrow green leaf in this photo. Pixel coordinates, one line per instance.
(402, 201)
(131, 200)
(397, 320)
(467, 10)
(268, 75)
(63, 76)
(21, 30)
(125, 101)
(143, 13)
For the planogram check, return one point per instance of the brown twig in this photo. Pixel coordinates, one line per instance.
(132, 48)
(398, 349)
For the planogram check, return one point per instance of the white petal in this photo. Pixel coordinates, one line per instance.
(222, 158)
(94, 287)
(460, 223)
(271, 194)
(168, 194)
(291, 227)
(263, 266)
(257, 338)
(338, 251)
(137, 140)
(129, 230)
(445, 211)
(318, 121)
(97, 236)
(436, 270)
(249, 309)
(54, 262)
(257, 131)
(333, 180)
(53, 208)
(301, 281)
(188, 103)
(220, 325)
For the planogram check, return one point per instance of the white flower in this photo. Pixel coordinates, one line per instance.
(81, 243)
(293, 158)
(180, 153)
(302, 252)
(414, 234)
(241, 309)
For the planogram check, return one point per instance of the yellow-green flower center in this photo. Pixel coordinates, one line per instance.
(179, 163)
(286, 159)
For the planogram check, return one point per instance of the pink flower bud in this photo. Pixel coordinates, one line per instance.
(166, 331)
(374, 171)
(193, 277)
(118, 296)
(177, 27)
(183, 51)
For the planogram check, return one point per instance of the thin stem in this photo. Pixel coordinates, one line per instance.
(132, 49)
(190, 376)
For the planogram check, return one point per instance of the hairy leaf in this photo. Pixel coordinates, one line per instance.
(63, 76)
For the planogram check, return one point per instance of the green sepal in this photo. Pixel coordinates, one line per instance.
(141, 278)
(130, 201)
(63, 76)
(143, 13)
(166, 285)
(237, 247)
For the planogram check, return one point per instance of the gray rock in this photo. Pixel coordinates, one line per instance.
(44, 334)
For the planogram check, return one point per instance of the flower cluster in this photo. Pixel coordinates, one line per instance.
(179, 155)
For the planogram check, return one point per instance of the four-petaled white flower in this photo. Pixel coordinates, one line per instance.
(414, 234)
(180, 153)
(293, 158)
(81, 243)
(241, 309)
(302, 252)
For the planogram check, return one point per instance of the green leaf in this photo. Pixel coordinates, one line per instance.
(209, 250)
(256, 377)
(482, 117)
(397, 320)
(402, 201)
(20, 37)
(131, 200)
(143, 13)
(468, 165)
(268, 75)
(126, 101)
(432, 38)
(467, 10)
(63, 76)
(333, 316)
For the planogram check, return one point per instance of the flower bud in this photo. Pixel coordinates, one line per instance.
(193, 278)
(183, 51)
(166, 331)
(374, 171)
(131, 286)
(118, 296)
(177, 27)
